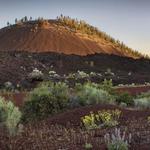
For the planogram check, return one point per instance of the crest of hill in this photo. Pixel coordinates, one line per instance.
(63, 35)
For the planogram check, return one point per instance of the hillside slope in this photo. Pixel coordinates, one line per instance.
(51, 36)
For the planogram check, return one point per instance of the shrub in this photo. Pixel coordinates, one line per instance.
(124, 98)
(142, 102)
(75, 102)
(8, 86)
(88, 146)
(71, 76)
(82, 74)
(88, 94)
(36, 75)
(53, 74)
(109, 72)
(107, 85)
(109, 117)
(90, 121)
(47, 98)
(144, 95)
(93, 74)
(9, 116)
(117, 141)
(104, 118)
(148, 119)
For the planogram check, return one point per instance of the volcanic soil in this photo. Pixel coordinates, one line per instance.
(52, 37)
(16, 67)
(65, 130)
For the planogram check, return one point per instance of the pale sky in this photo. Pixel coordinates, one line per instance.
(126, 20)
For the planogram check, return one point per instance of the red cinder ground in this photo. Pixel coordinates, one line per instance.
(64, 131)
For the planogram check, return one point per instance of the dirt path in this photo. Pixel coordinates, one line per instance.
(133, 90)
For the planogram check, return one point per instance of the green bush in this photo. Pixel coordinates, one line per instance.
(89, 93)
(124, 98)
(88, 146)
(10, 116)
(47, 98)
(144, 95)
(107, 85)
(142, 102)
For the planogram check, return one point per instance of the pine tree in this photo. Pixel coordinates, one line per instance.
(16, 21)
(25, 19)
(8, 24)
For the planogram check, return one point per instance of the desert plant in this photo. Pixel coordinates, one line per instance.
(47, 98)
(93, 74)
(104, 118)
(36, 75)
(117, 141)
(10, 116)
(71, 76)
(82, 74)
(144, 95)
(88, 146)
(89, 93)
(109, 118)
(142, 102)
(8, 86)
(107, 85)
(53, 74)
(148, 119)
(124, 98)
(90, 121)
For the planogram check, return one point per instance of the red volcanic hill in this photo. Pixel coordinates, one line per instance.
(60, 36)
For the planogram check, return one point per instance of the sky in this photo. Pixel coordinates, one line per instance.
(126, 20)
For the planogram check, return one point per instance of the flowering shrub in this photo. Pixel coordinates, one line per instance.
(90, 121)
(117, 141)
(109, 117)
(104, 118)
(82, 74)
(53, 74)
(36, 74)
(92, 74)
(71, 76)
